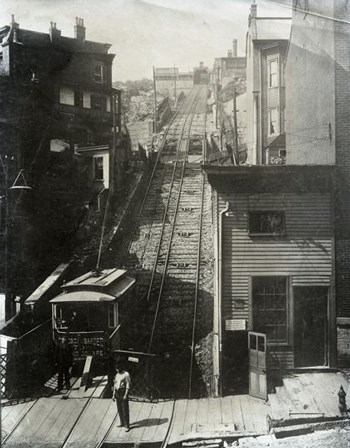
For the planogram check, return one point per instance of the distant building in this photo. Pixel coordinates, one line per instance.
(56, 97)
(201, 74)
(267, 43)
(229, 67)
(170, 82)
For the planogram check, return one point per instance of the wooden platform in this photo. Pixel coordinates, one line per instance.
(84, 420)
(12, 414)
(228, 416)
(47, 424)
(93, 424)
(308, 396)
(149, 424)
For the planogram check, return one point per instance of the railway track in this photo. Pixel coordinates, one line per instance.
(164, 251)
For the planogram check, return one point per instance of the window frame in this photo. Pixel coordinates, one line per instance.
(280, 234)
(270, 83)
(288, 307)
(95, 171)
(277, 127)
(99, 76)
(98, 102)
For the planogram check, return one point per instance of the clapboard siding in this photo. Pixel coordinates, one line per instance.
(305, 253)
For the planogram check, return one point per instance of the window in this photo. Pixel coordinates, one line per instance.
(270, 307)
(99, 72)
(98, 168)
(273, 73)
(99, 102)
(273, 122)
(78, 98)
(112, 321)
(67, 96)
(267, 223)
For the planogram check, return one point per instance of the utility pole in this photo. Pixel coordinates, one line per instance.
(235, 125)
(175, 84)
(155, 102)
(217, 95)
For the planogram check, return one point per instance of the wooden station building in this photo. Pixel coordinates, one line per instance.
(274, 271)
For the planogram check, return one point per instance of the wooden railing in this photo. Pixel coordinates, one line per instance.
(114, 339)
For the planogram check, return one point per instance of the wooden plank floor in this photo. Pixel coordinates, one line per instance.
(149, 423)
(93, 424)
(12, 414)
(47, 424)
(225, 416)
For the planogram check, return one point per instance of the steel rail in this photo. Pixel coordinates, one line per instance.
(193, 106)
(196, 294)
(167, 207)
(149, 185)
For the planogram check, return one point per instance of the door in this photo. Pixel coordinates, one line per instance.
(257, 365)
(310, 326)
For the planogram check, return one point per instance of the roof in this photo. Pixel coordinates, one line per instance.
(271, 178)
(96, 281)
(278, 142)
(270, 28)
(38, 39)
(83, 296)
(50, 281)
(86, 295)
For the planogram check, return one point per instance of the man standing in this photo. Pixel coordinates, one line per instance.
(64, 359)
(121, 395)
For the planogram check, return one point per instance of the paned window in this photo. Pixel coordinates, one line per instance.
(273, 73)
(99, 102)
(99, 73)
(267, 223)
(270, 308)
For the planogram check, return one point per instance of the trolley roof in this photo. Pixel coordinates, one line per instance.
(106, 286)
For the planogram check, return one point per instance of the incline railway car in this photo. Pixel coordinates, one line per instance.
(91, 311)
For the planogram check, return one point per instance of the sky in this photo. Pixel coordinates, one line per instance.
(147, 33)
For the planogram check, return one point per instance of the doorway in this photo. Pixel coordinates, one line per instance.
(310, 326)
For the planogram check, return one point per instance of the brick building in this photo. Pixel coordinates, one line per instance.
(317, 120)
(57, 101)
(229, 67)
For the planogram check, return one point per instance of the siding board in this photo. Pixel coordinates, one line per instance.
(305, 254)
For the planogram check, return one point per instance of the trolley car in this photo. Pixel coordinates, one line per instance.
(90, 312)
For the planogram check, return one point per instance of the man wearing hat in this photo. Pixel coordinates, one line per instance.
(121, 395)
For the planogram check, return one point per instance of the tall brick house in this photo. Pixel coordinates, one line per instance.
(318, 116)
(57, 102)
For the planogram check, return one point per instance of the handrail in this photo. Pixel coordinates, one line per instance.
(33, 330)
(115, 331)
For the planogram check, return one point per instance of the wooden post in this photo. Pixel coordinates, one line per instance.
(235, 125)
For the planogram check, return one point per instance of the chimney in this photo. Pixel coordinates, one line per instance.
(253, 10)
(201, 64)
(79, 29)
(229, 54)
(55, 34)
(234, 48)
(15, 27)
